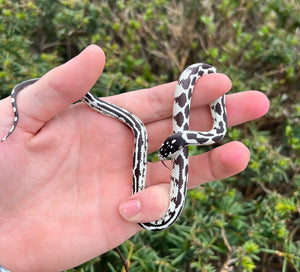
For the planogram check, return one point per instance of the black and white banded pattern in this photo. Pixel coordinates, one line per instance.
(13, 96)
(175, 146)
(140, 136)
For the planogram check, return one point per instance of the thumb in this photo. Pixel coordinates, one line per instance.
(147, 205)
(58, 89)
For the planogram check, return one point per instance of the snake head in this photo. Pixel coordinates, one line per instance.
(171, 146)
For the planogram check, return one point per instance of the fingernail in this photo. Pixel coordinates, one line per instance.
(130, 208)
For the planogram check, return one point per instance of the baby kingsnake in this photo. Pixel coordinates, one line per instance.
(174, 147)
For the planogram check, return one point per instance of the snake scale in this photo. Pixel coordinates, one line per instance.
(174, 147)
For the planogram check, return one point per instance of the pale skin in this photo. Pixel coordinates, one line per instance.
(66, 171)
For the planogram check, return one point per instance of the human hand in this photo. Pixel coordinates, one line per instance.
(66, 171)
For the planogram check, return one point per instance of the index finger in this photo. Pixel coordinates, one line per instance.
(156, 103)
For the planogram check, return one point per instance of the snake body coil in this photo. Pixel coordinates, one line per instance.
(174, 147)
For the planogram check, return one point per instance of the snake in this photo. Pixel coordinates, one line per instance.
(175, 147)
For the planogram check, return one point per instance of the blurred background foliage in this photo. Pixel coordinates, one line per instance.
(249, 222)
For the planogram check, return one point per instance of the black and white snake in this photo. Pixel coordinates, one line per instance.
(174, 147)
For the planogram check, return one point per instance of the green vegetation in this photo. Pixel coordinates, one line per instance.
(250, 222)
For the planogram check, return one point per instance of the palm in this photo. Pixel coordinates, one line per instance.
(81, 173)
(64, 175)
